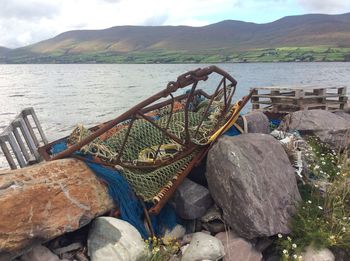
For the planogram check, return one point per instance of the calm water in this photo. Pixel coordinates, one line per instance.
(64, 95)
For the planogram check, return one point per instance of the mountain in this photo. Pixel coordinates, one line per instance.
(4, 50)
(225, 39)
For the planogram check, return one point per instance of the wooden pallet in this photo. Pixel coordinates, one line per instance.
(285, 99)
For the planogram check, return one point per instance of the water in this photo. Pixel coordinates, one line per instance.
(66, 94)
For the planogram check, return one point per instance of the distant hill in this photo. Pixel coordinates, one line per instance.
(4, 50)
(227, 40)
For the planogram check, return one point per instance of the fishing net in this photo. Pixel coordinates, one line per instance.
(138, 140)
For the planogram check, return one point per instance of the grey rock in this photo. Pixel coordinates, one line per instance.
(257, 122)
(112, 239)
(343, 114)
(237, 249)
(251, 179)
(213, 213)
(39, 253)
(340, 254)
(191, 200)
(214, 227)
(312, 254)
(212, 220)
(71, 247)
(327, 126)
(203, 247)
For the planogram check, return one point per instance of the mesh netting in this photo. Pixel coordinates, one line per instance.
(145, 138)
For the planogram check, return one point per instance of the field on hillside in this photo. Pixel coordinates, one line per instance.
(283, 54)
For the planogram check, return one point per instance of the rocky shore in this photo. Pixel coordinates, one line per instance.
(240, 204)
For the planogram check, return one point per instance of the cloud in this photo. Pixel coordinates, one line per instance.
(325, 6)
(25, 22)
(22, 9)
(156, 20)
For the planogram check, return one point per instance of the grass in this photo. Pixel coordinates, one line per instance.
(282, 54)
(322, 219)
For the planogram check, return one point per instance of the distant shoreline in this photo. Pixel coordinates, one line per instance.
(266, 55)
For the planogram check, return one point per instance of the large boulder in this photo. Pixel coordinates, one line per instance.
(112, 239)
(343, 114)
(191, 200)
(257, 122)
(46, 200)
(251, 179)
(203, 247)
(329, 127)
(237, 249)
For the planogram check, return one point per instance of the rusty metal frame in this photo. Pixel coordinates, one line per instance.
(191, 78)
(184, 80)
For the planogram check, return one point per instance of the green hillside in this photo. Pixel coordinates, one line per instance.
(313, 37)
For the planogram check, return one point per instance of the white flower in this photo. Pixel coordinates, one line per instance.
(323, 163)
(339, 166)
(295, 256)
(320, 207)
(309, 201)
(289, 239)
(285, 251)
(300, 257)
(294, 246)
(343, 229)
(279, 236)
(316, 167)
(316, 186)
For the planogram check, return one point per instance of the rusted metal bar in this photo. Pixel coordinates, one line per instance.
(171, 136)
(126, 138)
(167, 125)
(189, 100)
(176, 183)
(205, 114)
(182, 81)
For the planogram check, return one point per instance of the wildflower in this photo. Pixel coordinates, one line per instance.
(294, 246)
(320, 207)
(316, 167)
(309, 201)
(279, 236)
(339, 166)
(300, 257)
(316, 186)
(295, 256)
(323, 163)
(343, 229)
(285, 251)
(338, 173)
(289, 239)
(332, 237)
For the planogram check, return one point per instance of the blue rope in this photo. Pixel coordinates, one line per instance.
(130, 208)
(120, 191)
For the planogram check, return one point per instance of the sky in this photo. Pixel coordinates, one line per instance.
(24, 22)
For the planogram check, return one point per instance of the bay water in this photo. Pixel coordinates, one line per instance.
(66, 94)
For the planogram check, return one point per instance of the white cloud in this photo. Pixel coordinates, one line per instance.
(325, 6)
(27, 21)
(24, 22)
